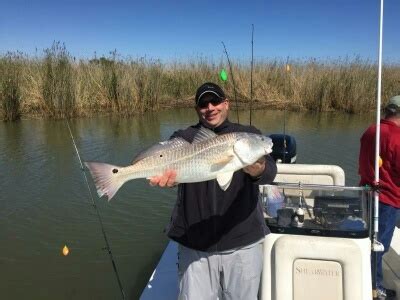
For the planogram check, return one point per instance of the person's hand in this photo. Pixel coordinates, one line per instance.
(256, 169)
(166, 179)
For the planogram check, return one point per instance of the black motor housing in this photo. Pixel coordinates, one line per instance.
(280, 152)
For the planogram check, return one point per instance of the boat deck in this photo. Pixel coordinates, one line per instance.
(163, 283)
(391, 263)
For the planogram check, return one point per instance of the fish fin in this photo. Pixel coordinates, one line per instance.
(106, 178)
(221, 162)
(224, 180)
(160, 148)
(203, 134)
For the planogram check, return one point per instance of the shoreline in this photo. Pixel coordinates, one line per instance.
(242, 106)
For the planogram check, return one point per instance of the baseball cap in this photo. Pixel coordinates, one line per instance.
(393, 104)
(209, 88)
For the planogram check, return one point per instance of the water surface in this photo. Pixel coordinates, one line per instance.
(45, 203)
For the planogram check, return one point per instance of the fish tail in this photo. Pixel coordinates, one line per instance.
(106, 178)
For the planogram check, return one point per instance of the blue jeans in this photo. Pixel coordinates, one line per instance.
(387, 223)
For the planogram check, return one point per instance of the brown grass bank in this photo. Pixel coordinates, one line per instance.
(57, 85)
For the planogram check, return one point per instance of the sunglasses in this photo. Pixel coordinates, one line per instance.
(213, 101)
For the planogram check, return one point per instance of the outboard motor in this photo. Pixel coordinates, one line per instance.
(284, 149)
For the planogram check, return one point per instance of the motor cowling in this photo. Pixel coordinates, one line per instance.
(284, 148)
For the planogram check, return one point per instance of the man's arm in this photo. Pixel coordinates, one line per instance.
(262, 171)
(255, 170)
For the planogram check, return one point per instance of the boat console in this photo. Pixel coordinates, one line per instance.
(319, 246)
(317, 210)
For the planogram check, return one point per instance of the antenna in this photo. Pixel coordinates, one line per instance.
(376, 245)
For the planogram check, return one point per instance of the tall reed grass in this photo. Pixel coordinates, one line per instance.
(10, 86)
(57, 85)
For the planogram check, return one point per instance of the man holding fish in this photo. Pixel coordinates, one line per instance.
(219, 224)
(218, 219)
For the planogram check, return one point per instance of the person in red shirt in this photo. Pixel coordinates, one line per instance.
(389, 177)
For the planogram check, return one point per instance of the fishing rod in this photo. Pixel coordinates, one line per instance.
(107, 247)
(287, 68)
(376, 245)
(251, 71)
(233, 81)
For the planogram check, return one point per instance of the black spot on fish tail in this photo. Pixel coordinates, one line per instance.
(115, 171)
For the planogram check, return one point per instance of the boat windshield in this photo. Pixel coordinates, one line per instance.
(320, 210)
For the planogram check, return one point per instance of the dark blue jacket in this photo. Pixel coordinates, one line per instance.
(206, 218)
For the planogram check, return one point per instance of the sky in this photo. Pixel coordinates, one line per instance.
(179, 30)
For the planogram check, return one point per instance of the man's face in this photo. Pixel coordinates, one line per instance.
(212, 111)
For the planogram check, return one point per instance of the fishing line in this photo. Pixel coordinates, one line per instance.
(233, 81)
(108, 248)
(251, 72)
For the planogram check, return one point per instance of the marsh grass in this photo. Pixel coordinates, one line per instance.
(56, 85)
(10, 83)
